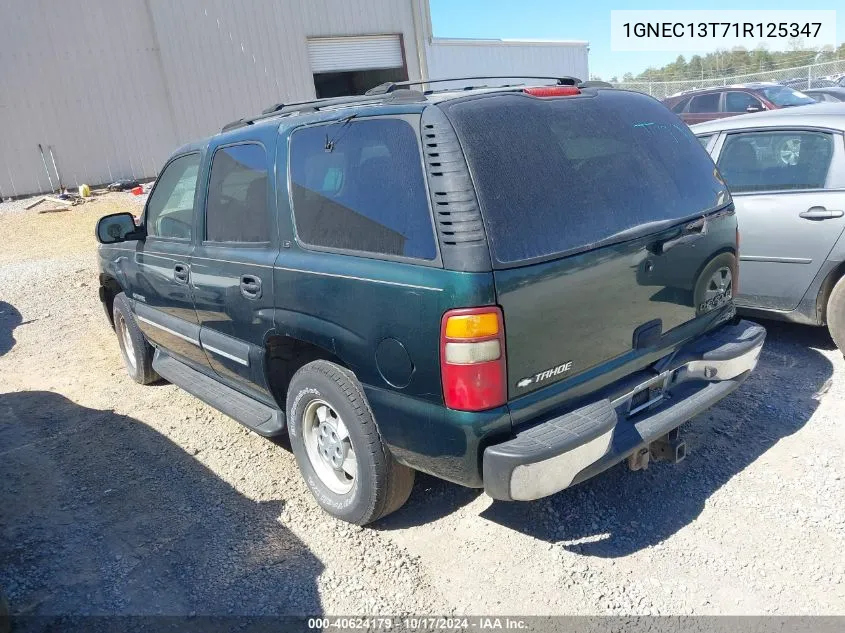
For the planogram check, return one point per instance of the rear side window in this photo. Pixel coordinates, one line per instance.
(237, 207)
(740, 102)
(705, 103)
(365, 193)
(679, 107)
(170, 209)
(776, 160)
(556, 175)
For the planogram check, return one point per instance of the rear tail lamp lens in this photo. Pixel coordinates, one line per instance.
(472, 359)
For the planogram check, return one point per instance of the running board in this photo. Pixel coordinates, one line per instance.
(264, 420)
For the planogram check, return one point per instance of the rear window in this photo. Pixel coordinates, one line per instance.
(365, 194)
(237, 209)
(785, 97)
(558, 175)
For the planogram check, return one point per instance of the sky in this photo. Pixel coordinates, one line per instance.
(584, 20)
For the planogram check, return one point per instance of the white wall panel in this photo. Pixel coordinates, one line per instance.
(223, 61)
(82, 76)
(115, 85)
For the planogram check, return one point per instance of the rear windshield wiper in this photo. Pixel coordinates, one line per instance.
(331, 142)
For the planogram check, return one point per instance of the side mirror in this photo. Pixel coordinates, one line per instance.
(753, 108)
(118, 227)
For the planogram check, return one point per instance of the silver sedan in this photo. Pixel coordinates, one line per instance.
(786, 171)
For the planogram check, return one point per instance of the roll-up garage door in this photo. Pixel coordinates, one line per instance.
(340, 54)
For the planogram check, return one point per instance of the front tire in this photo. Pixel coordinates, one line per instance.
(137, 352)
(836, 314)
(338, 449)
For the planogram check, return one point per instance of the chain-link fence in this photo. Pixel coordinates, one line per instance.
(804, 77)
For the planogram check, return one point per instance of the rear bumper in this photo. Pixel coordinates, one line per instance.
(557, 453)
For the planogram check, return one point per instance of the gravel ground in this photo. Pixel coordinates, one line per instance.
(118, 498)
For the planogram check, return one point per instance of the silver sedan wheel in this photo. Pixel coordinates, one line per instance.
(329, 447)
(128, 346)
(720, 284)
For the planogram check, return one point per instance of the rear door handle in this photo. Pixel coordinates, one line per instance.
(181, 273)
(820, 213)
(250, 286)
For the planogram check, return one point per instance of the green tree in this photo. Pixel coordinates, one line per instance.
(695, 68)
(722, 63)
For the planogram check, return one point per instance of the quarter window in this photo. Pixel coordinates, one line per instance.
(679, 107)
(777, 160)
(237, 208)
(359, 186)
(704, 140)
(170, 209)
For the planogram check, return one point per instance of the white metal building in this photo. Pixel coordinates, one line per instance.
(113, 86)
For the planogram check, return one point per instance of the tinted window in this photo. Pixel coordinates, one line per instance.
(555, 175)
(705, 103)
(740, 101)
(366, 194)
(766, 161)
(170, 209)
(679, 107)
(784, 96)
(704, 139)
(237, 209)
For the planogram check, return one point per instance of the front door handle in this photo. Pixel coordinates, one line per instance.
(250, 286)
(820, 213)
(181, 273)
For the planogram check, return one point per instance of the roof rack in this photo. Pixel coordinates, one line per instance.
(595, 83)
(280, 109)
(391, 86)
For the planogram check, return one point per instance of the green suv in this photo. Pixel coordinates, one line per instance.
(511, 288)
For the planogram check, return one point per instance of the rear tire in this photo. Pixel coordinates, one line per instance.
(330, 426)
(714, 285)
(836, 314)
(137, 352)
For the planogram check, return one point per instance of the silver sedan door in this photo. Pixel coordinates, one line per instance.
(790, 208)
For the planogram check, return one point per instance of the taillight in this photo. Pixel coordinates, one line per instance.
(552, 91)
(472, 359)
(735, 282)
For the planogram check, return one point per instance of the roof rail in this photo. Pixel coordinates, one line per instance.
(279, 109)
(390, 86)
(595, 83)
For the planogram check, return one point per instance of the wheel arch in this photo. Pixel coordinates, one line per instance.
(285, 355)
(109, 289)
(825, 289)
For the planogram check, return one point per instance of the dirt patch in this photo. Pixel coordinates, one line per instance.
(29, 235)
(118, 498)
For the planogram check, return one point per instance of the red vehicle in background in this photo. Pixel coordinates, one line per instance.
(697, 106)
